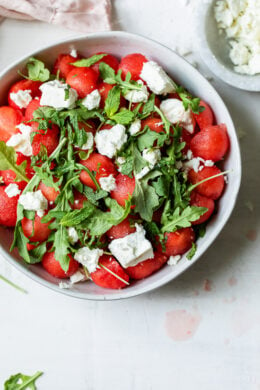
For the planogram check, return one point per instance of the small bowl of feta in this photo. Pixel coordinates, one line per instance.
(228, 38)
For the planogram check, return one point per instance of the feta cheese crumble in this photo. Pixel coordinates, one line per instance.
(34, 201)
(21, 98)
(73, 53)
(135, 127)
(109, 141)
(72, 235)
(173, 260)
(21, 142)
(156, 78)
(152, 156)
(137, 96)
(107, 183)
(92, 100)
(132, 249)
(77, 277)
(12, 190)
(195, 163)
(89, 258)
(240, 20)
(54, 95)
(174, 111)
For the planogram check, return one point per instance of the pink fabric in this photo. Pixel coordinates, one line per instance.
(79, 15)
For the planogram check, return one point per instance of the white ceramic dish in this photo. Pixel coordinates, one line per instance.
(120, 44)
(214, 50)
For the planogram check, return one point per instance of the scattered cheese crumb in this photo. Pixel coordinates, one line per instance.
(34, 201)
(135, 127)
(72, 235)
(73, 53)
(89, 257)
(173, 260)
(21, 98)
(92, 100)
(107, 183)
(21, 142)
(12, 190)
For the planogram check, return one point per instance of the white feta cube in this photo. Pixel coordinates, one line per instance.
(132, 249)
(137, 95)
(77, 277)
(173, 260)
(21, 98)
(152, 156)
(108, 142)
(90, 142)
(12, 190)
(135, 127)
(34, 201)
(72, 235)
(92, 100)
(21, 142)
(54, 95)
(88, 258)
(107, 183)
(174, 111)
(156, 78)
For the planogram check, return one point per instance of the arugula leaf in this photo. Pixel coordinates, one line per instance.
(37, 71)
(87, 62)
(145, 199)
(123, 117)
(147, 139)
(37, 254)
(22, 382)
(61, 245)
(192, 251)
(162, 186)
(94, 196)
(8, 161)
(181, 219)
(12, 284)
(75, 217)
(113, 101)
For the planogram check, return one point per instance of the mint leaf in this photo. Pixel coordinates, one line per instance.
(87, 62)
(22, 382)
(147, 139)
(37, 71)
(94, 196)
(107, 73)
(123, 117)
(112, 101)
(181, 219)
(148, 107)
(73, 218)
(8, 161)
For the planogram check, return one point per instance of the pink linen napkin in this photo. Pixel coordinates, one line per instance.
(79, 15)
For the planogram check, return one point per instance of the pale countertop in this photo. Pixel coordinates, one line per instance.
(132, 344)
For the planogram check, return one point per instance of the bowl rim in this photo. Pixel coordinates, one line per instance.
(237, 80)
(125, 293)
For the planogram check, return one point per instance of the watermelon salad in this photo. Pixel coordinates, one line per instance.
(109, 169)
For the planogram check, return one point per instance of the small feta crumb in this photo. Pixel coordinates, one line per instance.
(77, 277)
(137, 95)
(189, 154)
(152, 156)
(12, 190)
(21, 142)
(108, 183)
(120, 160)
(175, 112)
(92, 100)
(90, 142)
(40, 213)
(249, 205)
(142, 173)
(226, 179)
(72, 235)
(156, 78)
(21, 98)
(64, 285)
(73, 53)
(173, 260)
(194, 164)
(132, 249)
(76, 201)
(89, 258)
(109, 141)
(34, 201)
(54, 95)
(135, 127)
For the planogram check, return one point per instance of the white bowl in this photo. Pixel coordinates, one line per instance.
(214, 49)
(120, 44)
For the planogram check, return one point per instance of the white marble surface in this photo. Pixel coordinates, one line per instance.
(126, 345)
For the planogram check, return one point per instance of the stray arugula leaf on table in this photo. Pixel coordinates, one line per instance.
(22, 382)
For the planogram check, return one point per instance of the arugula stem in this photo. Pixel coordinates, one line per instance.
(13, 284)
(164, 119)
(32, 379)
(112, 273)
(191, 188)
(80, 166)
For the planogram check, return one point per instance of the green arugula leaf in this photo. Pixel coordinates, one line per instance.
(189, 101)
(87, 62)
(181, 219)
(61, 245)
(145, 199)
(37, 254)
(22, 382)
(94, 196)
(162, 186)
(37, 71)
(112, 102)
(147, 139)
(192, 251)
(12, 284)
(123, 117)
(74, 218)
(8, 161)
